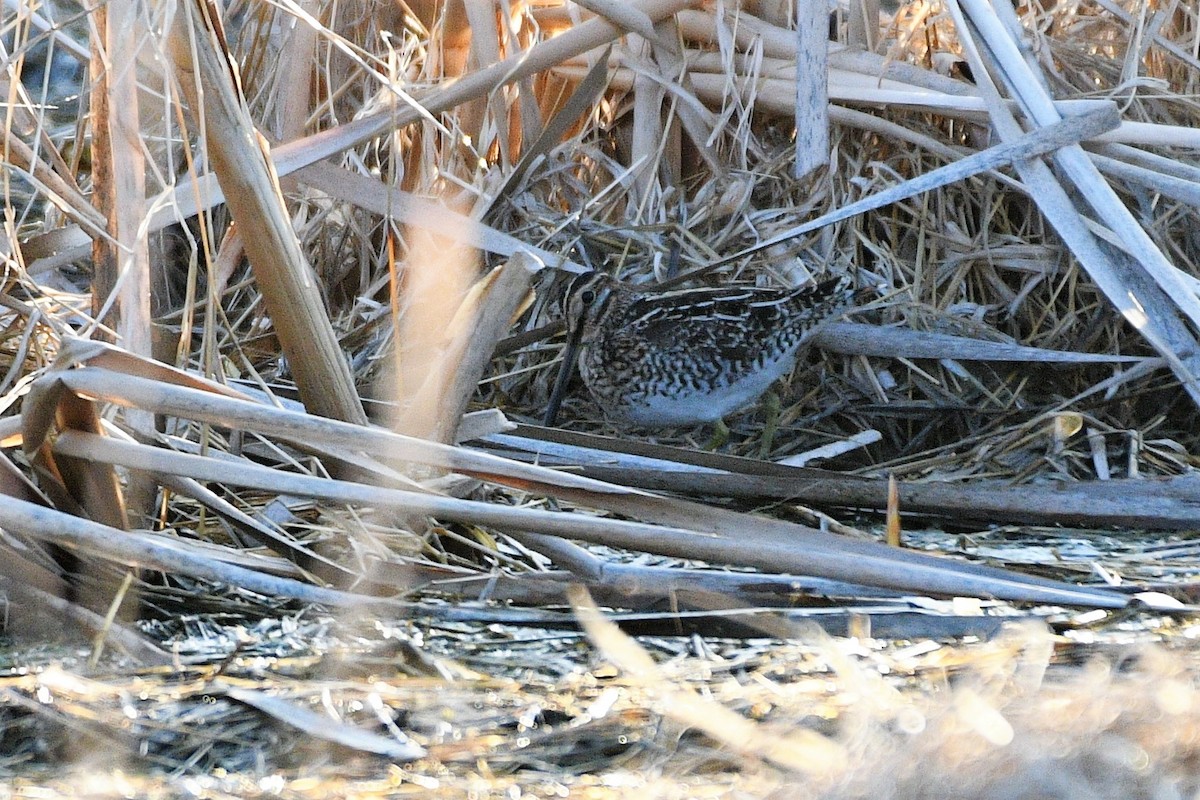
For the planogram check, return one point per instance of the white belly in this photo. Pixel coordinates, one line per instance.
(688, 406)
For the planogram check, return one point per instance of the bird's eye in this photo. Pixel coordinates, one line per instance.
(588, 296)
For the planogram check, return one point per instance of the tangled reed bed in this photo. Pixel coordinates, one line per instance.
(675, 152)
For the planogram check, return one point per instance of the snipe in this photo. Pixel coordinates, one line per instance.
(689, 356)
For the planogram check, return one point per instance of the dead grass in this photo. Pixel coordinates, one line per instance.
(675, 158)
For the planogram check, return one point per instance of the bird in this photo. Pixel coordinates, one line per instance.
(688, 356)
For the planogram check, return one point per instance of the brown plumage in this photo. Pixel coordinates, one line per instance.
(687, 356)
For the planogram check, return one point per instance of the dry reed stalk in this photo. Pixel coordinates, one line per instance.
(240, 158)
(952, 265)
(485, 316)
(143, 552)
(121, 277)
(58, 188)
(978, 274)
(859, 562)
(728, 537)
(372, 195)
(489, 122)
(812, 89)
(433, 287)
(1152, 309)
(649, 137)
(460, 351)
(862, 25)
(202, 193)
(287, 106)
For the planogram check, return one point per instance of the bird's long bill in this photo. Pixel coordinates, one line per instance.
(574, 335)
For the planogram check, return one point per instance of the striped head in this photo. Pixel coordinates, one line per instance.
(587, 298)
